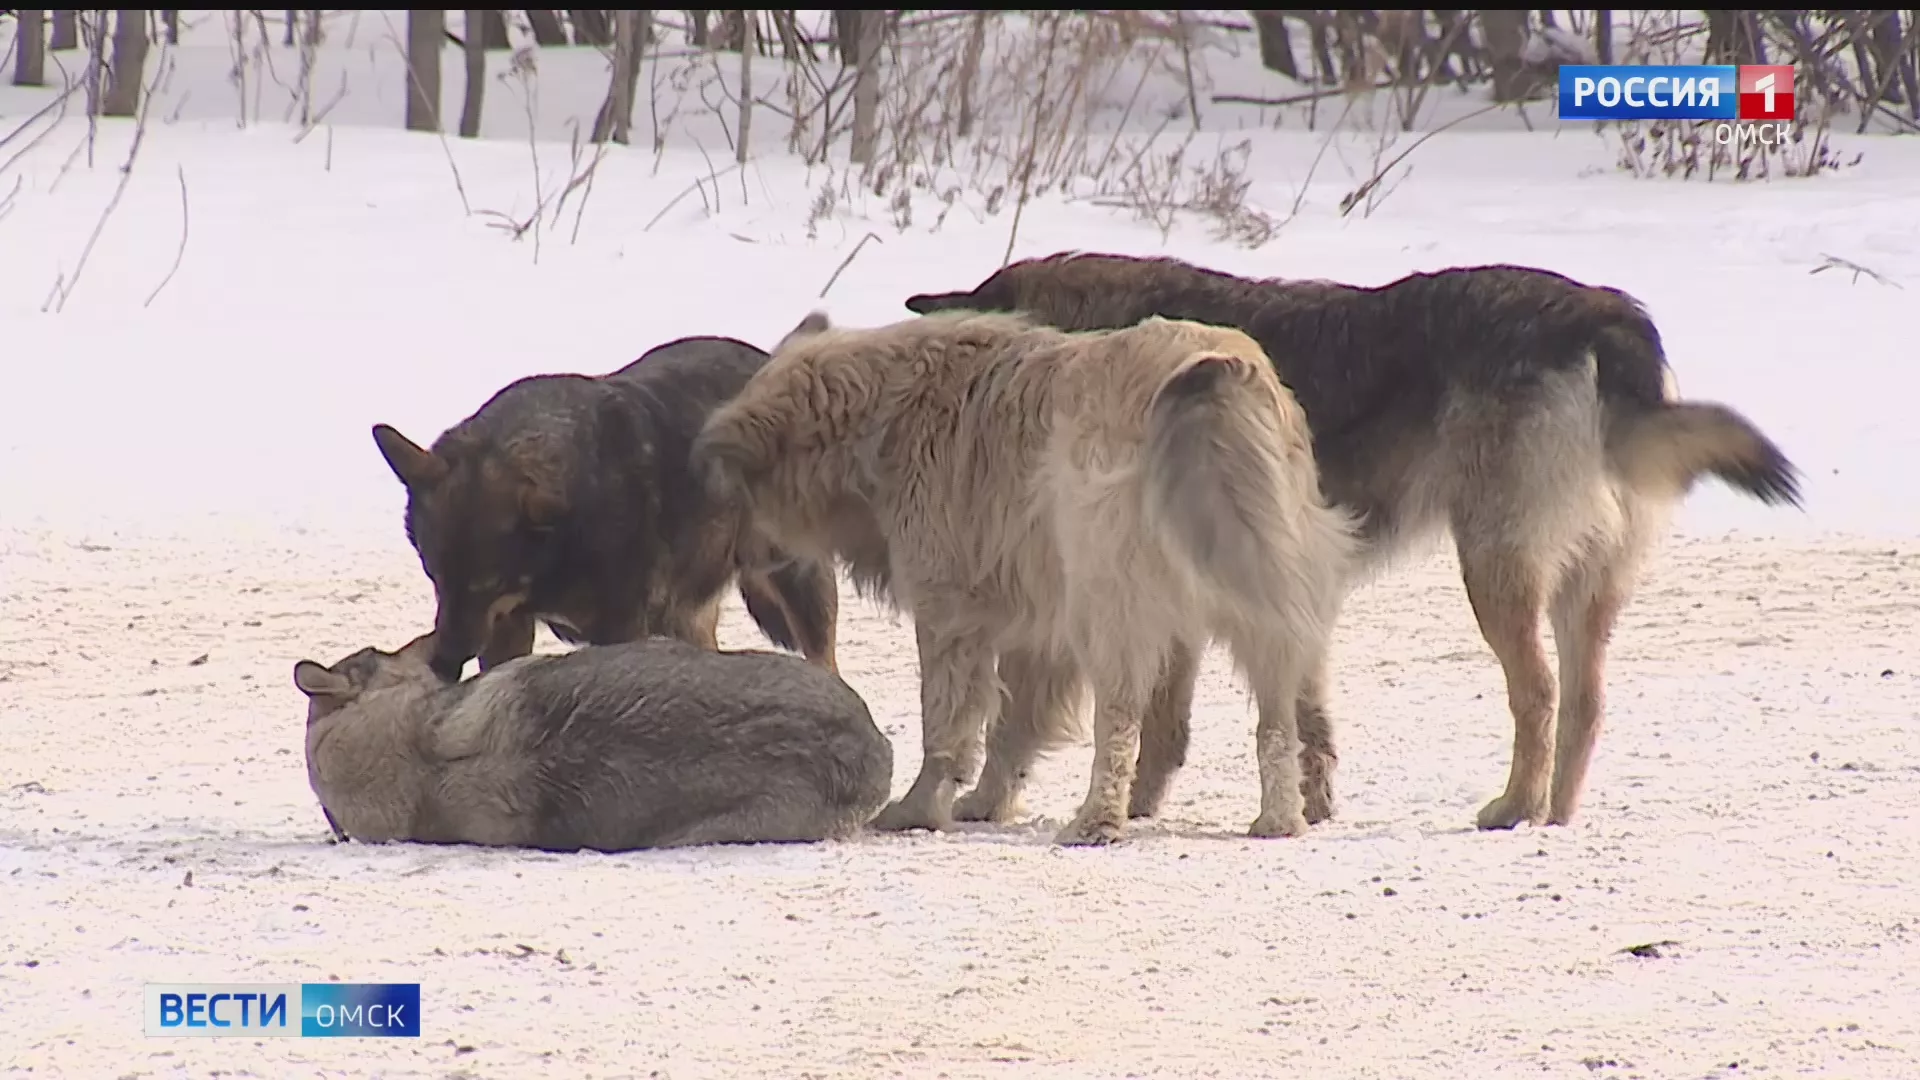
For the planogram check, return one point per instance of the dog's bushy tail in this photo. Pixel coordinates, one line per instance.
(1668, 446)
(1662, 445)
(1236, 491)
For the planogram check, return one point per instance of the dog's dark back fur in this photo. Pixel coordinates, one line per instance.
(653, 743)
(1367, 363)
(567, 497)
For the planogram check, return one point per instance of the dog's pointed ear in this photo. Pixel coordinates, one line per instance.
(816, 322)
(928, 303)
(416, 467)
(316, 680)
(420, 649)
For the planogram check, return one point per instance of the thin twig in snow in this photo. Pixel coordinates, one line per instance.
(848, 261)
(180, 252)
(63, 286)
(1353, 197)
(1835, 262)
(699, 184)
(439, 128)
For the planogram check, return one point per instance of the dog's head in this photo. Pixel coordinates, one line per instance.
(330, 689)
(483, 519)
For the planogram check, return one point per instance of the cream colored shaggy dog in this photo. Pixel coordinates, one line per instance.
(1084, 501)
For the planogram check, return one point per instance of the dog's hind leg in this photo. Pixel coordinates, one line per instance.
(1038, 712)
(1317, 756)
(1277, 672)
(1118, 704)
(1505, 588)
(1165, 732)
(1584, 610)
(958, 693)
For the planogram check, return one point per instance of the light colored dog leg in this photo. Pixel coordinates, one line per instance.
(1117, 715)
(1165, 732)
(958, 691)
(1584, 612)
(1037, 713)
(1277, 682)
(1317, 756)
(1507, 601)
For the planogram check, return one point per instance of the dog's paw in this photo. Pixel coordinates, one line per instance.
(983, 805)
(1098, 832)
(1319, 801)
(903, 816)
(1507, 811)
(1275, 826)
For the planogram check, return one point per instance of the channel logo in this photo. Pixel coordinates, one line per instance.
(289, 1010)
(1750, 92)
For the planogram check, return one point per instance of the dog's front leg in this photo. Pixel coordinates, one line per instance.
(958, 688)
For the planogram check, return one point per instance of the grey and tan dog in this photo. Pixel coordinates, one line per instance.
(1531, 416)
(649, 744)
(1091, 501)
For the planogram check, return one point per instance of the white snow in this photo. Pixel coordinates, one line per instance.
(190, 502)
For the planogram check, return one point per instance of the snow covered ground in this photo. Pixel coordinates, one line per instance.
(190, 502)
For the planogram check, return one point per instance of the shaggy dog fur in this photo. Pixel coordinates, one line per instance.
(1092, 501)
(654, 743)
(1533, 417)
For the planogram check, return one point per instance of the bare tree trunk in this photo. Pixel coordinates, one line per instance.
(791, 43)
(1324, 70)
(1506, 33)
(615, 119)
(493, 30)
(697, 27)
(426, 32)
(591, 28)
(170, 23)
(293, 23)
(30, 54)
(1276, 46)
(96, 42)
(546, 28)
(1733, 37)
(309, 46)
(749, 35)
(866, 87)
(1603, 36)
(129, 63)
(846, 35)
(1885, 41)
(66, 31)
(970, 71)
(475, 48)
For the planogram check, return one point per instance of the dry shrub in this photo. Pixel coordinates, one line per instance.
(995, 109)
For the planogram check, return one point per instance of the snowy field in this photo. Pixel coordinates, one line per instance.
(190, 501)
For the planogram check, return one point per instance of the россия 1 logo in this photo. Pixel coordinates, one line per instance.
(1751, 95)
(1751, 92)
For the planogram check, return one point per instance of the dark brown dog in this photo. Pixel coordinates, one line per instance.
(566, 499)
